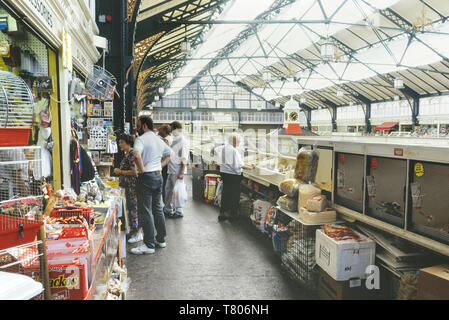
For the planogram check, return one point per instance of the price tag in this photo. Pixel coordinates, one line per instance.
(374, 163)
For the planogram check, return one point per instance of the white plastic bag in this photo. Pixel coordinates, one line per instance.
(179, 194)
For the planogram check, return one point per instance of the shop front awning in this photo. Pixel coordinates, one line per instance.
(387, 126)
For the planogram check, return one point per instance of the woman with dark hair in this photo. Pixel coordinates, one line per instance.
(128, 180)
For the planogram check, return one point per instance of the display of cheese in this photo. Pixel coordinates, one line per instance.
(289, 187)
(316, 203)
(306, 191)
(306, 165)
(325, 216)
(288, 203)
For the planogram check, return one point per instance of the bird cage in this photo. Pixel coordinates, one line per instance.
(16, 110)
(100, 84)
(20, 172)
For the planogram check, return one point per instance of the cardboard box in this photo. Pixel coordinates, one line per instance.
(433, 283)
(354, 289)
(344, 260)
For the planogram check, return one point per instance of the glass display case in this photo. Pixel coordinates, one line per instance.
(386, 189)
(349, 180)
(429, 193)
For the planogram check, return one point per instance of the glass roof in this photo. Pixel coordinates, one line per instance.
(289, 49)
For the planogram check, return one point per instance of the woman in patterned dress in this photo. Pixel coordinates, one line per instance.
(128, 180)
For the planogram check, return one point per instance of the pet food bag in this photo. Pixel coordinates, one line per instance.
(306, 165)
(289, 187)
(287, 203)
(307, 191)
(316, 203)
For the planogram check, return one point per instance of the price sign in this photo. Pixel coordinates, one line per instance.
(419, 169)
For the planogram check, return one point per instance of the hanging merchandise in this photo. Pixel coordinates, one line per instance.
(5, 48)
(111, 146)
(75, 158)
(101, 84)
(371, 186)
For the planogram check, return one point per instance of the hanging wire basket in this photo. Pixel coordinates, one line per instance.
(16, 110)
(100, 84)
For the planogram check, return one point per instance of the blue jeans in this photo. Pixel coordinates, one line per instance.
(149, 199)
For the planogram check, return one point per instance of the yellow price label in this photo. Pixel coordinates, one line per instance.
(419, 169)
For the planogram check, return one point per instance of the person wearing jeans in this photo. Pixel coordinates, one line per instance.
(177, 168)
(148, 151)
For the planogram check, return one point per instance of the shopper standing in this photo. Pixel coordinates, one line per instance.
(177, 168)
(128, 180)
(148, 151)
(231, 174)
(164, 133)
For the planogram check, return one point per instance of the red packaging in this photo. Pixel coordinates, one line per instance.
(67, 280)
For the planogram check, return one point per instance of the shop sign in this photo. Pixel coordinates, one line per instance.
(398, 152)
(419, 169)
(42, 9)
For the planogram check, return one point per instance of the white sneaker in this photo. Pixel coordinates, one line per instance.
(143, 249)
(161, 244)
(135, 238)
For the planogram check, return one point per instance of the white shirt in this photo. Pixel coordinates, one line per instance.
(180, 154)
(230, 159)
(151, 149)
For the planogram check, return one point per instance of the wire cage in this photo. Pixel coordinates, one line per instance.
(18, 260)
(16, 110)
(20, 172)
(101, 84)
(295, 243)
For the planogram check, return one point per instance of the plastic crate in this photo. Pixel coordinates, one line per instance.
(87, 213)
(12, 137)
(16, 231)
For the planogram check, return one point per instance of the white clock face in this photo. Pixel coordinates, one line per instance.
(293, 116)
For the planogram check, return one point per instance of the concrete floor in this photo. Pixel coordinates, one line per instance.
(207, 260)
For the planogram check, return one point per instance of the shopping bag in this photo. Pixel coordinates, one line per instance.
(179, 194)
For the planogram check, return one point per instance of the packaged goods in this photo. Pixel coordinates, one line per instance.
(316, 203)
(306, 191)
(289, 187)
(433, 283)
(306, 165)
(287, 203)
(325, 216)
(260, 210)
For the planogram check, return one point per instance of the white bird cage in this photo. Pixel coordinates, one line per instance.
(20, 172)
(16, 102)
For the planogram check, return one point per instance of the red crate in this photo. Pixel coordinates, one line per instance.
(15, 231)
(11, 137)
(87, 213)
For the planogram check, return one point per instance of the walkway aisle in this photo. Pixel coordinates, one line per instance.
(208, 260)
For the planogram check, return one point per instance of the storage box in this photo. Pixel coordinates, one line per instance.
(433, 283)
(354, 289)
(346, 259)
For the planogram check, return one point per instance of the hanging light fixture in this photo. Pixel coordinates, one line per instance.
(235, 89)
(266, 76)
(161, 90)
(398, 82)
(194, 106)
(340, 93)
(351, 103)
(170, 76)
(327, 50)
(277, 104)
(156, 98)
(302, 100)
(185, 45)
(396, 98)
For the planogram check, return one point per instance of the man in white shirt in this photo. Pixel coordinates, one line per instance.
(231, 166)
(177, 168)
(148, 151)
